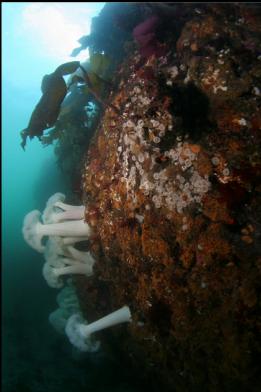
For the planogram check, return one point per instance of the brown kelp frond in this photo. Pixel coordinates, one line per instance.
(47, 110)
(67, 68)
(95, 94)
(105, 36)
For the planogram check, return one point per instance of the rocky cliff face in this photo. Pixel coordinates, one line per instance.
(172, 189)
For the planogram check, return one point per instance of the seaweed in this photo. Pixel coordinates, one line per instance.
(71, 134)
(54, 91)
(106, 36)
(47, 110)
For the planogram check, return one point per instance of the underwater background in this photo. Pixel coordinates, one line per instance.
(34, 356)
(148, 114)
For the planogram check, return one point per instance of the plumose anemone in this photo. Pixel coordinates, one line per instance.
(34, 230)
(80, 333)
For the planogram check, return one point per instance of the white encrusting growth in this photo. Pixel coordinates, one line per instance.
(79, 333)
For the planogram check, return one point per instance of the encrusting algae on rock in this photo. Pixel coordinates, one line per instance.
(173, 206)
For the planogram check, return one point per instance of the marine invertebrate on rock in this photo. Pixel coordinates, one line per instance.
(57, 254)
(58, 320)
(52, 274)
(53, 213)
(33, 230)
(67, 207)
(92, 215)
(54, 252)
(145, 35)
(177, 165)
(68, 304)
(49, 209)
(71, 330)
(84, 257)
(79, 333)
(67, 298)
(72, 214)
(73, 240)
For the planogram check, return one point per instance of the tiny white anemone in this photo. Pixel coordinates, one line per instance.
(80, 333)
(33, 230)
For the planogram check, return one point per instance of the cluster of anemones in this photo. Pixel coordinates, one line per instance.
(177, 185)
(64, 226)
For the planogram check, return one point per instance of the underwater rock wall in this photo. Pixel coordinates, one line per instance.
(172, 192)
